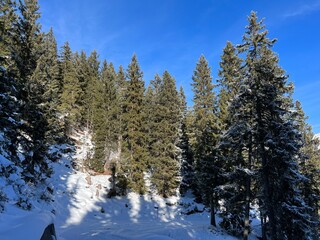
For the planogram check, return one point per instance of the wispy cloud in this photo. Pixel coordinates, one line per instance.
(303, 9)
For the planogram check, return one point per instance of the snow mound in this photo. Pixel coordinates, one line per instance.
(19, 225)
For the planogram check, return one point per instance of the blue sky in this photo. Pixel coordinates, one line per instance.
(172, 34)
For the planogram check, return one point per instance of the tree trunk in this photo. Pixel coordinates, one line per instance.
(212, 213)
(263, 223)
(266, 191)
(248, 193)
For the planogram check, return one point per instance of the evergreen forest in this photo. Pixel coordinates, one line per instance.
(243, 142)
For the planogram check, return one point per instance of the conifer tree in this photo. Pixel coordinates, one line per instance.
(8, 85)
(229, 82)
(25, 49)
(83, 72)
(206, 134)
(121, 86)
(48, 78)
(8, 18)
(166, 165)
(186, 162)
(151, 116)
(92, 78)
(69, 107)
(309, 163)
(133, 148)
(105, 119)
(262, 135)
(236, 183)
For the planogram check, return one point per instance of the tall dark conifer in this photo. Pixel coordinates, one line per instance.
(206, 134)
(25, 48)
(233, 158)
(105, 118)
(229, 82)
(9, 103)
(186, 161)
(83, 75)
(134, 154)
(165, 165)
(309, 163)
(47, 76)
(69, 98)
(263, 136)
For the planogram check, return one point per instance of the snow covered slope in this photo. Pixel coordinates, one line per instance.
(83, 212)
(80, 210)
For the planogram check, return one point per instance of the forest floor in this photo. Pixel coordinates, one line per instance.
(81, 210)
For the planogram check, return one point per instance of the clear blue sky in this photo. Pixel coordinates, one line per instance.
(172, 34)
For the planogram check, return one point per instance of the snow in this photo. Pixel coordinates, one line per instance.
(80, 209)
(4, 162)
(21, 225)
(83, 212)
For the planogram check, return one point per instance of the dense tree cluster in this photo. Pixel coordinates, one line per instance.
(243, 143)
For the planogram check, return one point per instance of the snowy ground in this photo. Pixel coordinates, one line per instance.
(82, 211)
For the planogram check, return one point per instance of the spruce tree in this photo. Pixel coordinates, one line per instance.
(309, 163)
(233, 158)
(8, 18)
(48, 78)
(69, 99)
(83, 72)
(186, 162)
(121, 86)
(9, 103)
(105, 119)
(229, 82)
(133, 149)
(149, 120)
(206, 134)
(25, 49)
(165, 165)
(263, 136)
(151, 116)
(92, 77)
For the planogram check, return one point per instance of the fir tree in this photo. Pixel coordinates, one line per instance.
(206, 134)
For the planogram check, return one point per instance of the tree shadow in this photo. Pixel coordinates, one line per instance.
(83, 211)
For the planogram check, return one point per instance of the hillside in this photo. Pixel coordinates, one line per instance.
(81, 210)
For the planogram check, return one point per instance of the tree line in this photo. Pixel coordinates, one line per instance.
(245, 142)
